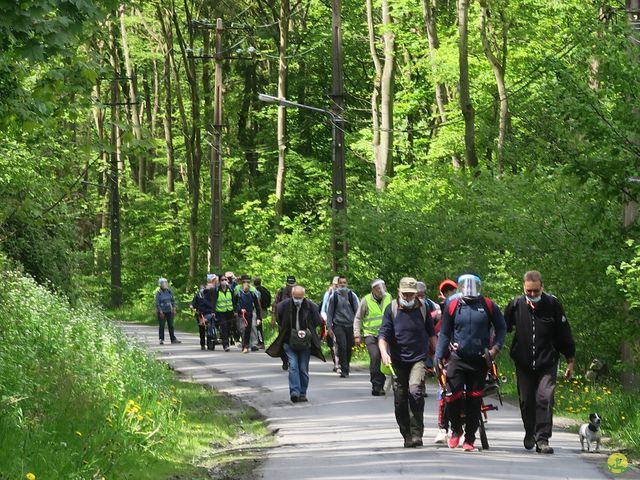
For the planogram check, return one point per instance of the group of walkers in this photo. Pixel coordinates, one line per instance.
(408, 336)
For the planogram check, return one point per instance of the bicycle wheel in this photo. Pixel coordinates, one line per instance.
(483, 436)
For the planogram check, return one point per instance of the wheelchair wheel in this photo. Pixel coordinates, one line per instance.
(483, 436)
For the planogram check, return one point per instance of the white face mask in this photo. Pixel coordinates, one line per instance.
(407, 303)
(298, 301)
(534, 299)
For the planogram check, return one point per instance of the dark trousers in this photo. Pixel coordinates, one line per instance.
(260, 333)
(202, 330)
(345, 342)
(223, 322)
(465, 387)
(377, 378)
(408, 398)
(168, 317)
(536, 389)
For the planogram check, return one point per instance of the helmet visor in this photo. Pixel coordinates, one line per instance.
(469, 286)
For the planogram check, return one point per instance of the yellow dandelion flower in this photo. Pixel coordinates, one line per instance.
(623, 417)
(30, 476)
(148, 413)
(140, 417)
(78, 433)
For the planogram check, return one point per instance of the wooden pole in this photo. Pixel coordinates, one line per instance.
(116, 262)
(216, 156)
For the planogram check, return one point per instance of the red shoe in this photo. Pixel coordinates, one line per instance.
(453, 441)
(468, 447)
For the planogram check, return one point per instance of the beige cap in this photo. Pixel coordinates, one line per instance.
(408, 285)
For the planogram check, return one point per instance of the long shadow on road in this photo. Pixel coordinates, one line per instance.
(345, 433)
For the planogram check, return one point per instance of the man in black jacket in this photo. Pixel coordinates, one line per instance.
(299, 317)
(265, 304)
(542, 334)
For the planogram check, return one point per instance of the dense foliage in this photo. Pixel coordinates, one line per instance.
(76, 399)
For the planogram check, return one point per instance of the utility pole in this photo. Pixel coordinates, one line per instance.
(116, 262)
(339, 177)
(216, 157)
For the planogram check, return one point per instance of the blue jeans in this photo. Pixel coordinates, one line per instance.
(298, 370)
(168, 316)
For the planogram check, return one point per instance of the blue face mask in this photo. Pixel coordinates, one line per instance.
(406, 303)
(343, 289)
(534, 299)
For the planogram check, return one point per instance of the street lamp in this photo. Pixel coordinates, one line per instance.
(339, 181)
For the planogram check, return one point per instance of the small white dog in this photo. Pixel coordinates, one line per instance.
(591, 432)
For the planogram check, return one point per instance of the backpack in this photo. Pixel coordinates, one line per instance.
(453, 307)
(334, 299)
(423, 309)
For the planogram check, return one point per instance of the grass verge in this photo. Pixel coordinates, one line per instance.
(219, 438)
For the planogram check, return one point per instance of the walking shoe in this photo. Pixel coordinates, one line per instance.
(227, 349)
(161, 342)
(245, 350)
(335, 369)
(303, 398)
(441, 436)
(202, 347)
(377, 392)
(454, 440)
(176, 341)
(543, 447)
(344, 374)
(295, 398)
(261, 346)
(254, 348)
(285, 366)
(417, 442)
(529, 442)
(408, 443)
(468, 447)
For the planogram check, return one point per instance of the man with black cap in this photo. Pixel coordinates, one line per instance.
(246, 304)
(281, 295)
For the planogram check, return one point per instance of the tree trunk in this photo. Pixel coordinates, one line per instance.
(386, 98)
(283, 27)
(375, 92)
(167, 120)
(465, 98)
(442, 97)
(133, 102)
(498, 66)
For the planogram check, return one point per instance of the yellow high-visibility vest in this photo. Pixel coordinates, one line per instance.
(371, 323)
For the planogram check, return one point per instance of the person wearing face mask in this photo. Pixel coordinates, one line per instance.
(205, 304)
(465, 335)
(323, 313)
(403, 339)
(341, 311)
(224, 311)
(165, 309)
(298, 339)
(246, 303)
(366, 324)
(542, 333)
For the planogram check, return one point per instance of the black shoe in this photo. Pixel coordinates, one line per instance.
(335, 369)
(543, 447)
(285, 366)
(408, 443)
(161, 342)
(377, 393)
(344, 374)
(302, 398)
(202, 347)
(176, 341)
(227, 349)
(254, 348)
(295, 398)
(417, 442)
(529, 442)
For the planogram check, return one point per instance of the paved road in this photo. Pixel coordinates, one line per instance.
(345, 433)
